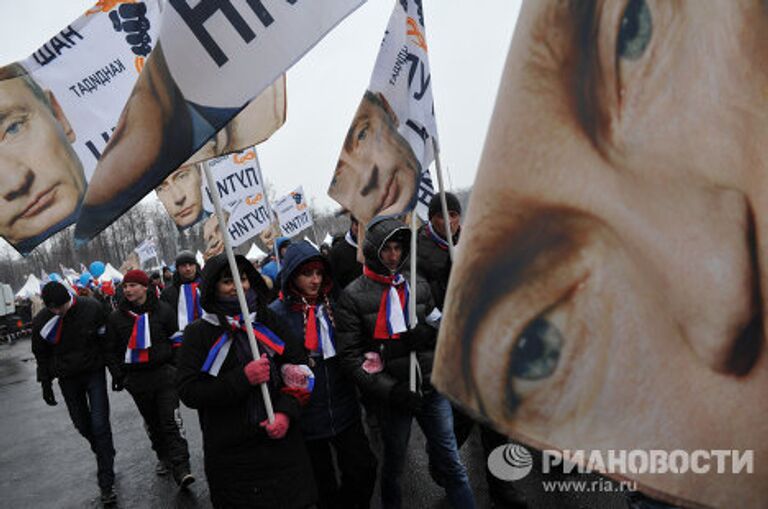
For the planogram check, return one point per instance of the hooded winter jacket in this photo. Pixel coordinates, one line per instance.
(333, 406)
(82, 346)
(238, 452)
(358, 308)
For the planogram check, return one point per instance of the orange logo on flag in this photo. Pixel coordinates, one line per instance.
(138, 62)
(413, 29)
(249, 156)
(253, 200)
(106, 6)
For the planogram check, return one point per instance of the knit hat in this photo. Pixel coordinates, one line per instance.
(185, 257)
(450, 199)
(136, 276)
(55, 294)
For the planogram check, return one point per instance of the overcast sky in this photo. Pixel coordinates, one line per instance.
(468, 43)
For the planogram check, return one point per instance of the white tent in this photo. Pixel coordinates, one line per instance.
(328, 239)
(199, 258)
(111, 273)
(255, 253)
(30, 288)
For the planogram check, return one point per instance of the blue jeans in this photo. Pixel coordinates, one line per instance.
(86, 397)
(436, 421)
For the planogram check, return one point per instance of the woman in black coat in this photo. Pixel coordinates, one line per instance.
(331, 421)
(248, 461)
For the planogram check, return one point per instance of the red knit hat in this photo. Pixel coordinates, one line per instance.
(136, 276)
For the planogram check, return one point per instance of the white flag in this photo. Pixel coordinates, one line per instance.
(293, 212)
(396, 123)
(146, 251)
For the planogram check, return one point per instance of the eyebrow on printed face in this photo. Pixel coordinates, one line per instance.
(540, 258)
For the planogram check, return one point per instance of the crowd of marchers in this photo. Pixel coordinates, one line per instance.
(291, 425)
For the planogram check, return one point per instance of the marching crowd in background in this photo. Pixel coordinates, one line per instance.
(335, 341)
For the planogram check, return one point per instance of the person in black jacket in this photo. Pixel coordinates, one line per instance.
(434, 264)
(433, 259)
(331, 419)
(343, 257)
(184, 294)
(68, 344)
(375, 340)
(139, 333)
(249, 462)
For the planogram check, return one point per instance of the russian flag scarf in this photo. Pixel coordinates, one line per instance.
(319, 334)
(393, 308)
(437, 239)
(220, 348)
(51, 331)
(140, 341)
(188, 309)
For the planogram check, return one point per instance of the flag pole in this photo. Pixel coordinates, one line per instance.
(412, 298)
(443, 202)
(236, 276)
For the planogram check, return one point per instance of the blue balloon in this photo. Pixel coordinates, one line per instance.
(85, 278)
(97, 268)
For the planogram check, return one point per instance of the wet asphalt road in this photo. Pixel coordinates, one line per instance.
(45, 463)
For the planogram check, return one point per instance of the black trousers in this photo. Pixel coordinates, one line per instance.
(88, 405)
(356, 464)
(154, 393)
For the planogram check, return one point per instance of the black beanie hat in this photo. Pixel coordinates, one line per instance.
(450, 199)
(185, 257)
(55, 294)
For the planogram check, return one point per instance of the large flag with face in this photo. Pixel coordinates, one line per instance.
(293, 213)
(213, 57)
(61, 105)
(383, 168)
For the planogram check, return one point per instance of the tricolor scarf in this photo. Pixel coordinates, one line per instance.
(188, 309)
(140, 341)
(437, 239)
(319, 335)
(51, 331)
(393, 309)
(220, 348)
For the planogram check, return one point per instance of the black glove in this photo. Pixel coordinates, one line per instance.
(48, 396)
(403, 398)
(117, 384)
(420, 338)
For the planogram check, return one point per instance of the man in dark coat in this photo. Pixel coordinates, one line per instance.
(433, 260)
(376, 338)
(183, 295)
(139, 334)
(68, 344)
(343, 257)
(249, 462)
(331, 421)
(434, 264)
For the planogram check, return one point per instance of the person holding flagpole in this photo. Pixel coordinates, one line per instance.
(139, 335)
(68, 343)
(375, 341)
(249, 461)
(331, 421)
